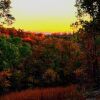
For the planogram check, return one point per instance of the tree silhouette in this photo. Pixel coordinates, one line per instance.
(90, 8)
(5, 16)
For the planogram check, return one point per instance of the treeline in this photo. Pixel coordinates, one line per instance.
(29, 60)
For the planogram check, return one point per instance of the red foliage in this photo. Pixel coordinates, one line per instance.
(27, 39)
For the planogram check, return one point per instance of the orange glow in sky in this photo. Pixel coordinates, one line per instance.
(43, 15)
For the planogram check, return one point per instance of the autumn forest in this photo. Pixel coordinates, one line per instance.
(38, 66)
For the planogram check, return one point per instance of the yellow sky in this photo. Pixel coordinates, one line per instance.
(43, 15)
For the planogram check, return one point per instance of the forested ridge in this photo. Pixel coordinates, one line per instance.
(28, 59)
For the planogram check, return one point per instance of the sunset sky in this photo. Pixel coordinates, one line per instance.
(43, 15)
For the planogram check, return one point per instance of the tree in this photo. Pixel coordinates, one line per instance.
(12, 52)
(5, 15)
(90, 8)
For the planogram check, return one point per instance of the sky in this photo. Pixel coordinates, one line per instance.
(43, 15)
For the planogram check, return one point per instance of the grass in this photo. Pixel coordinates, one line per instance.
(59, 93)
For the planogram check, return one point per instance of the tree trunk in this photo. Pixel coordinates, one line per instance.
(96, 72)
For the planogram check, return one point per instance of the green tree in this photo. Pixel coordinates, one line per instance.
(12, 52)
